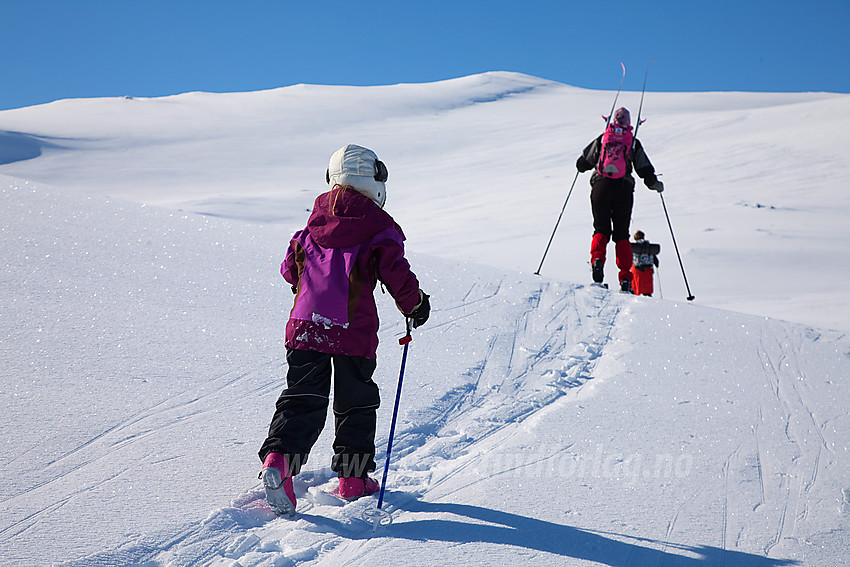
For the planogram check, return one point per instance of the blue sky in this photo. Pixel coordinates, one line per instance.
(54, 49)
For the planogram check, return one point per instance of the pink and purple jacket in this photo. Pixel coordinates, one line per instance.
(335, 263)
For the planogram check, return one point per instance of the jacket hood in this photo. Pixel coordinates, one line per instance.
(343, 217)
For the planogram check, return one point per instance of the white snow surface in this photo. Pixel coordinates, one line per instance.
(543, 421)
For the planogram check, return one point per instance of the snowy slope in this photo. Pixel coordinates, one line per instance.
(543, 420)
(756, 182)
(146, 358)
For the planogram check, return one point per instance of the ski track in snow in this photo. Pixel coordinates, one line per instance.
(185, 405)
(787, 478)
(516, 387)
(546, 349)
(786, 379)
(99, 451)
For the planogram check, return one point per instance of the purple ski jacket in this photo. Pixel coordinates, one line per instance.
(334, 263)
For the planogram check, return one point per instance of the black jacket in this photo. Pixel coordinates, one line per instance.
(639, 162)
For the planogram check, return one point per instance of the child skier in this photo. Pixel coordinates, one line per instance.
(333, 265)
(614, 154)
(644, 257)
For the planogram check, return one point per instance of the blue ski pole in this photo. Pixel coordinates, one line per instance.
(379, 516)
(405, 340)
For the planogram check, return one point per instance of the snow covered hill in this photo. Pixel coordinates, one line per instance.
(479, 168)
(543, 421)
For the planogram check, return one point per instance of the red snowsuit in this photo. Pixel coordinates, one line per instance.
(644, 257)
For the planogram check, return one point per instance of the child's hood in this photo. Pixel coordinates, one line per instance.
(344, 217)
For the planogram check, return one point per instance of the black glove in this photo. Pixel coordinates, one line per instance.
(421, 312)
(294, 290)
(657, 186)
(583, 165)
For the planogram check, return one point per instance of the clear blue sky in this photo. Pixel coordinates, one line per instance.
(54, 49)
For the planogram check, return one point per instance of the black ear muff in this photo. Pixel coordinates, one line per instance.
(328, 176)
(381, 173)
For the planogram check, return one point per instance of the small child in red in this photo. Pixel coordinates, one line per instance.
(644, 257)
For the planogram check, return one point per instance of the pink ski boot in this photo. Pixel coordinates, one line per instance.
(352, 487)
(278, 484)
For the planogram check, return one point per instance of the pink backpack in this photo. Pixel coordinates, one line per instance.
(616, 151)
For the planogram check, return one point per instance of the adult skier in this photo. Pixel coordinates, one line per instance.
(613, 156)
(349, 244)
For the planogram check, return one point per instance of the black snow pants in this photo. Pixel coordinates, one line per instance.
(302, 409)
(611, 201)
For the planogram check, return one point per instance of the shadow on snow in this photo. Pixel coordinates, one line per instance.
(503, 528)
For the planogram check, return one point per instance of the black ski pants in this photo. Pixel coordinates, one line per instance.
(611, 201)
(302, 408)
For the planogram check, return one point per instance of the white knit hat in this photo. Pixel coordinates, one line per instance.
(360, 168)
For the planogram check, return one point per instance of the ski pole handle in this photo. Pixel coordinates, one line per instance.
(406, 338)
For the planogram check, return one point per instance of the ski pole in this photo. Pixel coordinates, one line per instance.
(378, 516)
(676, 246)
(405, 340)
(658, 278)
(537, 273)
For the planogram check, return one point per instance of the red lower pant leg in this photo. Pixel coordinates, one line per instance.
(598, 246)
(623, 249)
(642, 282)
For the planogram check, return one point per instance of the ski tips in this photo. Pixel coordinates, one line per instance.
(619, 88)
